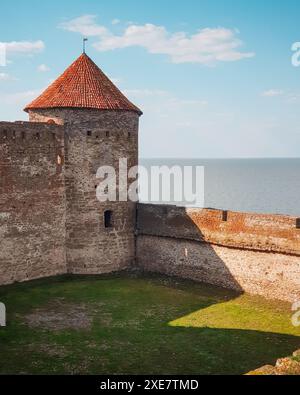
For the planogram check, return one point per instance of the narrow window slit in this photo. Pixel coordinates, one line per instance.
(225, 216)
(108, 219)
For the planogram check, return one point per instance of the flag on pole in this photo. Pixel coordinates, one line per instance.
(84, 41)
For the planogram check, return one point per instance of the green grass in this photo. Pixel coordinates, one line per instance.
(143, 325)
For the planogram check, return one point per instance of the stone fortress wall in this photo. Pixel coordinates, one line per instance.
(254, 253)
(61, 198)
(51, 222)
(92, 139)
(32, 201)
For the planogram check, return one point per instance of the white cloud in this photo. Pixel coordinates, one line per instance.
(198, 129)
(5, 77)
(293, 98)
(207, 46)
(115, 21)
(144, 93)
(27, 47)
(12, 104)
(43, 68)
(84, 25)
(19, 98)
(167, 100)
(272, 93)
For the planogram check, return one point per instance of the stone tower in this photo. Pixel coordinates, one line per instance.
(101, 126)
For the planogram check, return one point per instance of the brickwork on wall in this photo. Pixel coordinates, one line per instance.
(32, 201)
(51, 222)
(259, 232)
(93, 139)
(259, 254)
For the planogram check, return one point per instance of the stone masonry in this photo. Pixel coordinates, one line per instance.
(254, 253)
(51, 222)
(32, 201)
(96, 138)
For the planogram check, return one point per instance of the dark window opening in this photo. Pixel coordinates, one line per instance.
(37, 136)
(129, 135)
(298, 223)
(108, 219)
(89, 133)
(225, 216)
(107, 134)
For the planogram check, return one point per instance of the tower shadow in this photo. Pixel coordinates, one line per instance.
(170, 242)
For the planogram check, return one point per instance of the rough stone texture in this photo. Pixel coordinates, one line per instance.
(51, 222)
(260, 232)
(92, 249)
(244, 253)
(32, 201)
(284, 367)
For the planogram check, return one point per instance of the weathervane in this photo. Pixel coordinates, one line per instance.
(84, 41)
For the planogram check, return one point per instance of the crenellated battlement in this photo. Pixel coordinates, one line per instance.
(52, 223)
(31, 134)
(255, 253)
(50, 219)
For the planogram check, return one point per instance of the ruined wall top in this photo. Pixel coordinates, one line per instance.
(259, 232)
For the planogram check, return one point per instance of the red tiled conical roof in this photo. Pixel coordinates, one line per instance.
(83, 85)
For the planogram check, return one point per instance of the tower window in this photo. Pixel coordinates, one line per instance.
(107, 134)
(225, 216)
(108, 219)
(89, 133)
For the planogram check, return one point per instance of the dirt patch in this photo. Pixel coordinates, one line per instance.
(60, 315)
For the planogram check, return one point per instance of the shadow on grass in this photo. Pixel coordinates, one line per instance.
(227, 351)
(144, 324)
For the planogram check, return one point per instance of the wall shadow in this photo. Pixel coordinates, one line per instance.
(171, 243)
(176, 246)
(233, 351)
(206, 348)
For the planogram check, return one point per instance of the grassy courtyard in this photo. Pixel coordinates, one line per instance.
(139, 325)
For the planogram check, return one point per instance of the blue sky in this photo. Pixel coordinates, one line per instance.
(213, 77)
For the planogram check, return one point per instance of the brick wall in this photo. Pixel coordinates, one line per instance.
(93, 139)
(51, 222)
(259, 254)
(32, 201)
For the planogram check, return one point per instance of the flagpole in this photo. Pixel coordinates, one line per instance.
(84, 41)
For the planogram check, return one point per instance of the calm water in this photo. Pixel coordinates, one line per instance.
(251, 185)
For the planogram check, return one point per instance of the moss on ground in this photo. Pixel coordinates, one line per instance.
(126, 324)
